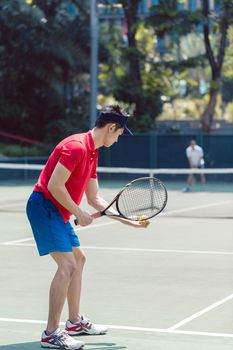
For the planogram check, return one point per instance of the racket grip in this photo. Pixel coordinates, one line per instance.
(94, 216)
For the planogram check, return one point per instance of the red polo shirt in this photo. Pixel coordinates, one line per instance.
(77, 153)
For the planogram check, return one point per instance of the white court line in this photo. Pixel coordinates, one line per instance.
(141, 250)
(196, 207)
(9, 205)
(18, 241)
(200, 313)
(160, 250)
(130, 328)
(117, 222)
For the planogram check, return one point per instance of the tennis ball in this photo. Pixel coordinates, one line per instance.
(142, 217)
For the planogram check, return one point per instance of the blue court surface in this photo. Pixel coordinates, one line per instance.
(168, 287)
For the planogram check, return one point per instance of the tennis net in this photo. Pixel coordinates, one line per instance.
(218, 179)
(211, 200)
(174, 179)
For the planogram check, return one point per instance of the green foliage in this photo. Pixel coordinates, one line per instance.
(43, 49)
(182, 28)
(166, 17)
(228, 67)
(13, 150)
(130, 78)
(44, 63)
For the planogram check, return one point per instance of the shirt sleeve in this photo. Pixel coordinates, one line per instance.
(71, 154)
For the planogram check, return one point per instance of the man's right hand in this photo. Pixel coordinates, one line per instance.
(83, 218)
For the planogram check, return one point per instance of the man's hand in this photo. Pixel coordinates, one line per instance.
(83, 218)
(140, 223)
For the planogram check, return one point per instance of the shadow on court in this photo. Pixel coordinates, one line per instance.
(21, 346)
(36, 346)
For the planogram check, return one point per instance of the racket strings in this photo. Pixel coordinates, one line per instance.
(143, 198)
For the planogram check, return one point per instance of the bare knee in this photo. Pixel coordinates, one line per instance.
(80, 257)
(67, 269)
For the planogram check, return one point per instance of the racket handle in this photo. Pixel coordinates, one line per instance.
(94, 216)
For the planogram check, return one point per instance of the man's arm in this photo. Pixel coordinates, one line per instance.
(190, 162)
(96, 201)
(93, 197)
(188, 155)
(57, 188)
(201, 158)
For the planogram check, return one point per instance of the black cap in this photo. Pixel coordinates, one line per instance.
(117, 118)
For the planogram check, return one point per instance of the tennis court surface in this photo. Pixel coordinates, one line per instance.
(168, 287)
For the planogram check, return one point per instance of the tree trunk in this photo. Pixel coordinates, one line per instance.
(208, 115)
(215, 62)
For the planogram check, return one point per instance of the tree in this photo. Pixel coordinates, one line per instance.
(127, 75)
(44, 55)
(166, 18)
(224, 19)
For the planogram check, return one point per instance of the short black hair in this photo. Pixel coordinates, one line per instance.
(114, 109)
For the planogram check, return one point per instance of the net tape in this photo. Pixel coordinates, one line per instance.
(124, 170)
(18, 173)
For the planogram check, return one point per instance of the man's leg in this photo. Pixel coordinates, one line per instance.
(74, 290)
(78, 324)
(189, 183)
(59, 287)
(203, 180)
(190, 179)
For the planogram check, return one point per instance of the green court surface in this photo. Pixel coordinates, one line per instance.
(168, 287)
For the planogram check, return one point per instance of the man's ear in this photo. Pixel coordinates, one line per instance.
(111, 127)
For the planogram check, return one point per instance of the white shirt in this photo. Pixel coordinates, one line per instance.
(195, 155)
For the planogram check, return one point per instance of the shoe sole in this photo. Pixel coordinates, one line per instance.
(48, 347)
(83, 332)
(60, 347)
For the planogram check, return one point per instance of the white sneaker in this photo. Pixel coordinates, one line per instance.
(85, 326)
(60, 339)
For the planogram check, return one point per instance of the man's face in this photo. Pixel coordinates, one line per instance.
(193, 143)
(112, 135)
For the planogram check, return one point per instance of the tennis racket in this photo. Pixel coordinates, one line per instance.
(141, 199)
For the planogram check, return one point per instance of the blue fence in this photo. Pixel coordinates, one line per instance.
(144, 151)
(157, 151)
(167, 151)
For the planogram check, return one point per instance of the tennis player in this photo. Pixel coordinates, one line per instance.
(69, 173)
(195, 156)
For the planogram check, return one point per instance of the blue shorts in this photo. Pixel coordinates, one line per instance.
(51, 233)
